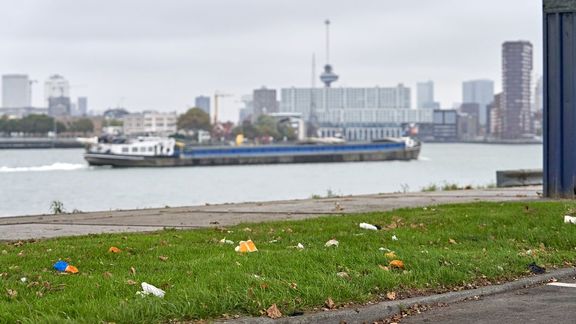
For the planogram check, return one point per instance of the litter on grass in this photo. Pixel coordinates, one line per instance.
(394, 238)
(569, 219)
(332, 243)
(535, 269)
(246, 246)
(396, 264)
(225, 241)
(300, 246)
(367, 226)
(63, 266)
(148, 289)
(114, 249)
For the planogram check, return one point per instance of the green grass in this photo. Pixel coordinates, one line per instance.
(204, 279)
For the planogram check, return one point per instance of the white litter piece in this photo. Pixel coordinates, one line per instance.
(332, 243)
(569, 219)
(394, 238)
(225, 241)
(367, 226)
(300, 246)
(23, 279)
(148, 289)
(383, 249)
(562, 284)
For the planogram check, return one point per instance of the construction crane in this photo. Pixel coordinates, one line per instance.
(218, 95)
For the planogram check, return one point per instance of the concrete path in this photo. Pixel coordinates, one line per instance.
(47, 226)
(542, 304)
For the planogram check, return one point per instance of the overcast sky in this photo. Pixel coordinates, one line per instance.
(160, 54)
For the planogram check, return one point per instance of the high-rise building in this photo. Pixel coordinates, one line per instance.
(480, 92)
(82, 106)
(57, 94)
(494, 123)
(516, 89)
(16, 91)
(203, 102)
(538, 96)
(264, 102)
(425, 95)
(56, 86)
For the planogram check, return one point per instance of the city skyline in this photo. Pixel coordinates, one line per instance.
(167, 61)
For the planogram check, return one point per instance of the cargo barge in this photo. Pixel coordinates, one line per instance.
(167, 152)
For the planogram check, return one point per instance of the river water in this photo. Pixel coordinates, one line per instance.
(31, 179)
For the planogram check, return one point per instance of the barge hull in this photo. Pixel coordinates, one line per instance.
(96, 159)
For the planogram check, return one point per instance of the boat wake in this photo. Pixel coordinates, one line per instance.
(423, 158)
(52, 167)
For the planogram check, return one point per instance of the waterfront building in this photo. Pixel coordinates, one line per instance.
(56, 86)
(445, 125)
(203, 102)
(480, 92)
(150, 123)
(516, 89)
(494, 125)
(59, 106)
(264, 102)
(82, 106)
(16, 91)
(538, 96)
(425, 96)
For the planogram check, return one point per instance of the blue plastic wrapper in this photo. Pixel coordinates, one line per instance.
(60, 266)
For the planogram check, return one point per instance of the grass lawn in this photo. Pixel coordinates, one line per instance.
(443, 247)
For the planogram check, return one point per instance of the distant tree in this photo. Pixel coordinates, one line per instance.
(35, 124)
(194, 119)
(247, 129)
(267, 126)
(82, 125)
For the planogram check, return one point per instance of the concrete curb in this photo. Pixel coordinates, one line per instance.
(380, 311)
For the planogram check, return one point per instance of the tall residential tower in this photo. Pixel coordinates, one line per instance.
(516, 85)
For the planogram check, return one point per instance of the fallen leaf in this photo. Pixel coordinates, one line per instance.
(114, 249)
(107, 274)
(385, 268)
(452, 241)
(391, 295)
(39, 294)
(263, 286)
(390, 255)
(293, 285)
(343, 274)
(163, 258)
(11, 293)
(329, 303)
(131, 282)
(21, 253)
(132, 270)
(273, 312)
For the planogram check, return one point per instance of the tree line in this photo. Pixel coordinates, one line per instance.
(42, 125)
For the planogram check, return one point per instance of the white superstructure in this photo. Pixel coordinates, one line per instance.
(141, 146)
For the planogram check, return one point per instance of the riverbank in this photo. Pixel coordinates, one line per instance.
(143, 220)
(38, 143)
(441, 248)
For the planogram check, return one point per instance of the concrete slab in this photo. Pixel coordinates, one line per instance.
(45, 226)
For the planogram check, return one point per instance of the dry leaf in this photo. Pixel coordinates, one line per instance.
(163, 258)
(263, 286)
(107, 274)
(114, 249)
(329, 303)
(452, 241)
(273, 312)
(293, 285)
(390, 255)
(391, 295)
(131, 282)
(132, 270)
(385, 268)
(11, 293)
(343, 274)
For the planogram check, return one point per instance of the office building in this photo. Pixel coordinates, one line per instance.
(16, 91)
(56, 86)
(265, 102)
(538, 96)
(203, 102)
(82, 106)
(150, 123)
(425, 96)
(494, 125)
(480, 92)
(516, 89)
(445, 125)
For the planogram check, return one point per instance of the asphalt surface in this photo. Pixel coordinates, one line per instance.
(541, 304)
(48, 226)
